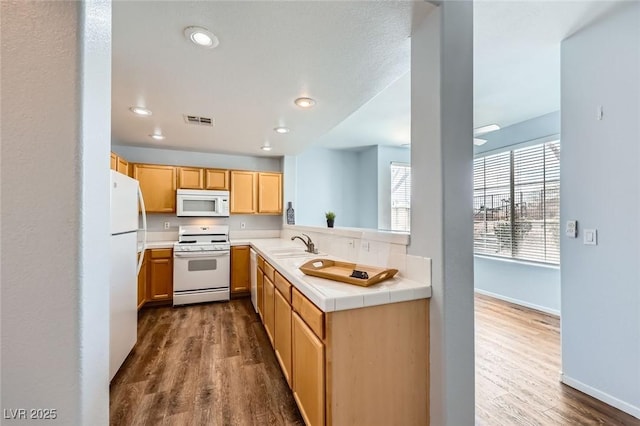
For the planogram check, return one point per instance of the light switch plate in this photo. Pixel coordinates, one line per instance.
(591, 237)
(571, 229)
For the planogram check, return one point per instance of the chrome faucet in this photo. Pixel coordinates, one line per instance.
(311, 248)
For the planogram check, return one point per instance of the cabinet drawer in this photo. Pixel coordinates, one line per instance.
(161, 253)
(309, 312)
(261, 262)
(284, 286)
(269, 271)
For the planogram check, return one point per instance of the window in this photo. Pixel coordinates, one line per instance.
(400, 197)
(516, 204)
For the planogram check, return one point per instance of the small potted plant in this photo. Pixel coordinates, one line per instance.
(331, 216)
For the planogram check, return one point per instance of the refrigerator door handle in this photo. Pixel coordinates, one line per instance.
(144, 229)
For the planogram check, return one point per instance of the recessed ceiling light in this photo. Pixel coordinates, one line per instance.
(485, 129)
(479, 142)
(201, 37)
(305, 102)
(138, 110)
(266, 146)
(157, 136)
(282, 130)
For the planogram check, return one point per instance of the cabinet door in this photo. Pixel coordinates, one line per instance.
(243, 192)
(268, 316)
(160, 275)
(123, 166)
(142, 281)
(308, 373)
(282, 333)
(158, 185)
(240, 269)
(114, 162)
(259, 290)
(270, 193)
(216, 179)
(190, 178)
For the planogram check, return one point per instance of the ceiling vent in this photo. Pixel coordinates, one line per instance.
(199, 121)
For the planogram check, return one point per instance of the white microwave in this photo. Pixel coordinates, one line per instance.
(197, 202)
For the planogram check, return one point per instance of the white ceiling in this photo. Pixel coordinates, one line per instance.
(340, 53)
(517, 55)
(353, 57)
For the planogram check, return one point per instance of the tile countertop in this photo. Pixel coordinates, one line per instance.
(330, 295)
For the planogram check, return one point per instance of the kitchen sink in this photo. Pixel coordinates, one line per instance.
(292, 252)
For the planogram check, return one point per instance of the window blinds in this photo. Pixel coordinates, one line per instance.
(516, 203)
(400, 197)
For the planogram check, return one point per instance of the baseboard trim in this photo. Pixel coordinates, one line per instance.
(604, 397)
(519, 302)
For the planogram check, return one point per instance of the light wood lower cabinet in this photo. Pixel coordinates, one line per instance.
(361, 366)
(240, 269)
(282, 333)
(142, 281)
(308, 373)
(268, 315)
(260, 291)
(160, 286)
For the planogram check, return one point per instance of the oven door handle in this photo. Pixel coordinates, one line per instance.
(193, 254)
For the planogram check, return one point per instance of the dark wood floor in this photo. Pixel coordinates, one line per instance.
(213, 365)
(208, 364)
(518, 372)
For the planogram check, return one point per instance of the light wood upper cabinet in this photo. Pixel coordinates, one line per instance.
(114, 161)
(240, 269)
(216, 179)
(243, 192)
(119, 164)
(160, 271)
(190, 178)
(158, 185)
(270, 193)
(308, 373)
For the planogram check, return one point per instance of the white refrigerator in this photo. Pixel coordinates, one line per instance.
(123, 301)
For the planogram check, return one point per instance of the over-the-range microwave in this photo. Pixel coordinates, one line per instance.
(197, 202)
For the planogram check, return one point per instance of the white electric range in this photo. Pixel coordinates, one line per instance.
(201, 264)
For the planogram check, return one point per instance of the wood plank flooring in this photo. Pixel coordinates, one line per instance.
(518, 372)
(209, 364)
(212, 364)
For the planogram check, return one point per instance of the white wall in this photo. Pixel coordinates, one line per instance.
(367, 187)
(327, 179)
(527, 284)
(56, 99)
(528, 130)
(356, 182)
(600, 187)
(441, 176)
(198, 159)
